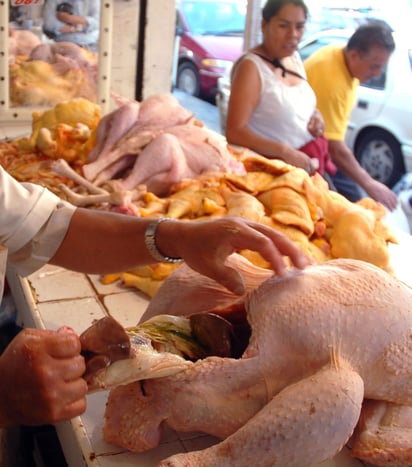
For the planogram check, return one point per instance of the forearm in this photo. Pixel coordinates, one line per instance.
(79, 20)
(100, 242)
(249, 139)
(346, 161)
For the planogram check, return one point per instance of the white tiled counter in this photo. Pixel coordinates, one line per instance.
(53, 297)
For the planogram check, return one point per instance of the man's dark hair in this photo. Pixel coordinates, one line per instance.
(66, 7)
(272, 8)
(371, 35)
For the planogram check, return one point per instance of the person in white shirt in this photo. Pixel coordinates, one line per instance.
(41, 371)
(76, 21)
(272, 108)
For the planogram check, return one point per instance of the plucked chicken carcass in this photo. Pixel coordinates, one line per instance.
(53, 73)
(66, 56)
(330, 345)
(168, 145)
(21, 43)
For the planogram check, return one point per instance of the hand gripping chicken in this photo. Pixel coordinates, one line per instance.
(330, 350)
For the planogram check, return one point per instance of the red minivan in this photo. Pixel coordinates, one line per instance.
(210, 39)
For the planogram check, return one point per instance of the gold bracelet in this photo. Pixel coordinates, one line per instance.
(150, 241)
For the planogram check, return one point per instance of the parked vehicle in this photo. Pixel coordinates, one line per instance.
(210, 36)
(380, 128)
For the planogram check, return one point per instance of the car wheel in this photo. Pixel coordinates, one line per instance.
(188, 79)
(379, 153)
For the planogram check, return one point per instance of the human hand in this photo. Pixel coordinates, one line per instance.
(302, 160)
(316, 124)
(206, 245)
(67, 28)
(41, 378)
(382, 194)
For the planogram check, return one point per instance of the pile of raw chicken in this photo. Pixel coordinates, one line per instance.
(153, 158)
(326, 351)
(46, 74)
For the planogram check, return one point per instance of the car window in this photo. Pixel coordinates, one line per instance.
(215, 18)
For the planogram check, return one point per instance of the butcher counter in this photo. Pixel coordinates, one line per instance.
(53, 297)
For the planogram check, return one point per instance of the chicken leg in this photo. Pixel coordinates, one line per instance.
(294, 429)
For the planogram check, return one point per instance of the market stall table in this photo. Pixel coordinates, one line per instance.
(53, 297)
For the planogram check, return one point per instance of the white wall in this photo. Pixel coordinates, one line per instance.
(158, 51)
(159, 47)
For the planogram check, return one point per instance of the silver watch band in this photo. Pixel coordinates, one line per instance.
(150, 240)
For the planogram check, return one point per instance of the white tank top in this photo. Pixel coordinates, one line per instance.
(283, 112)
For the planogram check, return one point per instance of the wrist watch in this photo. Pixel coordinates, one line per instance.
(150, 241)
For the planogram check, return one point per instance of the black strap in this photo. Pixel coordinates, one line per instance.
(277, 64)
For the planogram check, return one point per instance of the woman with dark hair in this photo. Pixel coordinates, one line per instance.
(272, 108)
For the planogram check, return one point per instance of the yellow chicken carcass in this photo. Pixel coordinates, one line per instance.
(354, 237)
(152, 205)
(251, 182)
(70, 112)
(38, 83)
(64, 141)
(288, 207)
(35, 83)
(65, 130)
(147, 285)
(240, 203)
(353, 230)
(254, 162)
(194, 198)
(147, 278)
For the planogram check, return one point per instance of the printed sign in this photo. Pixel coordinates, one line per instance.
(26, 2)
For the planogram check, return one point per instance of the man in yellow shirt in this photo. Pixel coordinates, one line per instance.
(334, 72)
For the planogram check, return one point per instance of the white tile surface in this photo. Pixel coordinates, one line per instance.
(54, 283)
(126, 307)
(107, 289)
(79, 313)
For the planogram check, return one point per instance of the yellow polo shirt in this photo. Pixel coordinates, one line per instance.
(334, 87)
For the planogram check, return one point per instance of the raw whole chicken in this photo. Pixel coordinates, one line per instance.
(168, 146)
(21, 43)
(330, 345)
(52, 73)
(65, 56)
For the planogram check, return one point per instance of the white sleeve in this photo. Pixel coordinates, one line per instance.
(33, 223)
